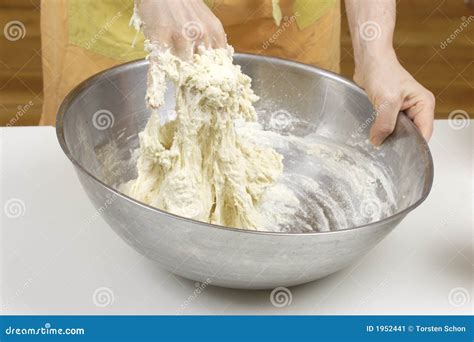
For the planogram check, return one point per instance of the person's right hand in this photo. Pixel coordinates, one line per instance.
(181, 26)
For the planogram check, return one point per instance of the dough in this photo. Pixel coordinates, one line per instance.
(196, 165)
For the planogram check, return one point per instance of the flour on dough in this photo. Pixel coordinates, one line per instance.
(196, 165)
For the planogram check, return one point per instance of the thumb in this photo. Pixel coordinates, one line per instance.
(386, 118)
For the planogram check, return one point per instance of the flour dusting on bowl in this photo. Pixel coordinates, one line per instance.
(325, 185)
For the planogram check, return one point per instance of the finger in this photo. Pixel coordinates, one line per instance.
(425, 125)
(161, 40)
(387, 114)
(422, 114)
(205, 41)
(219, 39)
(182, 48)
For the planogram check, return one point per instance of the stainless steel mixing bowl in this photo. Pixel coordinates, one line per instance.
(97, 127)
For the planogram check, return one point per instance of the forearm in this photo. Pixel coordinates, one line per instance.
(372, 23)
(388, 85)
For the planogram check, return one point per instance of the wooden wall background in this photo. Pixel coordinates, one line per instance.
(421, 27)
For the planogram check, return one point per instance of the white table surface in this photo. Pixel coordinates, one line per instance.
(53, 259)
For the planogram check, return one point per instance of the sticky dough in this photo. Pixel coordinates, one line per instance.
(196, 166)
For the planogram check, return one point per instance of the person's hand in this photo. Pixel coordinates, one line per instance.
(181, 25)
(392, 89)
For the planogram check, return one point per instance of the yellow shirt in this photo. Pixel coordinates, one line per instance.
(102, 26)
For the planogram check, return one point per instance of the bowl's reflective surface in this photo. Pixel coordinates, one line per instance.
(97, 128)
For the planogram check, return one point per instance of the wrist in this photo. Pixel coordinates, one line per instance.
(368, 54)
(372, 58)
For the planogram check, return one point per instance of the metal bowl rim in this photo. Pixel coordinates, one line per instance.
(71, 96)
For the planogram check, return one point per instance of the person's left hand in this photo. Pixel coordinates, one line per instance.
(392, 89)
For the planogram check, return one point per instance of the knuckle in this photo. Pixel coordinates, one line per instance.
(219, 27)
(430, 96)
(215, 22)
(176, 35)
(208, 32)
(391, 97)
(385, 128)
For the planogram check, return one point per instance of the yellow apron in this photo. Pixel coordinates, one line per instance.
(82, 37)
